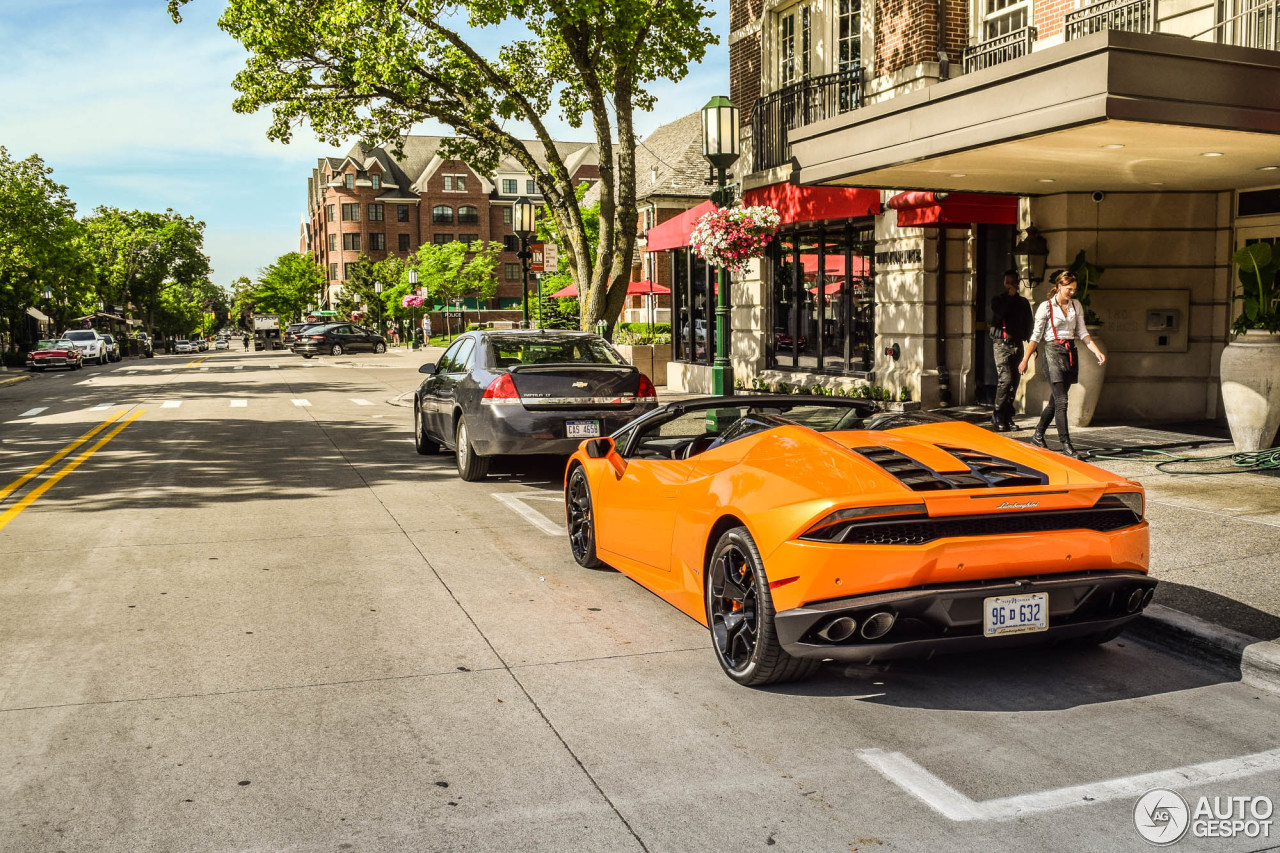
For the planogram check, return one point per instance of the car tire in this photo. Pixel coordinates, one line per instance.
(580, 515)
(472, 467)
(740, 616)
(336, 349)
(306, 355)
(421, 441)
(379, 347)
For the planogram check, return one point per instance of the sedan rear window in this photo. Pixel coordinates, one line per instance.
(507, 351)
(80, 336)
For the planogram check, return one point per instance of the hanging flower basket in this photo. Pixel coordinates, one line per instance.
(733, 236)
(413, 300)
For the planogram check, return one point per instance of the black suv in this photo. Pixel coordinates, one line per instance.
(336, 339)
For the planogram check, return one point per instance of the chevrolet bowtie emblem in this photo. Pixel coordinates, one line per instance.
(579, 385)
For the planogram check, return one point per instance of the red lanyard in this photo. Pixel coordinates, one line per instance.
(1067, 345)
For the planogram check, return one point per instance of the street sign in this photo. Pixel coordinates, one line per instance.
(550, 257)
(535, 262)
(453, 315)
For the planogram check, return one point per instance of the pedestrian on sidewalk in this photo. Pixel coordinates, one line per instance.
(426, 327)
(246, 341)
(395, 337)
(1060, 324)
(1011, 324)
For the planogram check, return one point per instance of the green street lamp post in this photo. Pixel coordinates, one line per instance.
(522, 213)
(720, 147)
(413, 312)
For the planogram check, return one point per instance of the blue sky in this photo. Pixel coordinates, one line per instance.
(132, 111)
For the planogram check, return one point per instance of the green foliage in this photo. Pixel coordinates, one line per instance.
(288, 285)
(904, 395)
(372, 70)
(1087, 276)
(1257, 267)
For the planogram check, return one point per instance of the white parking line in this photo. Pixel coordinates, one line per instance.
(171, 404)
(167, 370)
(130, 372)
(239, 404)
(100, 407)
(275, 367)
(360, 402)
(238, 367)
(949, 802)
(204, 368)
(302, 402)
(31, 413)
(531, 515)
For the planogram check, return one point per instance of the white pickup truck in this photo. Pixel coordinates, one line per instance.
(90, 342)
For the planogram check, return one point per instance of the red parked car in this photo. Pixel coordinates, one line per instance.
(61, 353)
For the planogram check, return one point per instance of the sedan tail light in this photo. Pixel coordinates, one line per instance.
(317, 337)
(646, 388)
(502, 388)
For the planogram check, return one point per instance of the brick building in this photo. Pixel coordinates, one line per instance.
(909, 144)
(371, 203)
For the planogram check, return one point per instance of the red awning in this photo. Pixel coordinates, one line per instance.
(928, 208)
(634, 288)
(834, 264)
(810, 204)
(674, 233)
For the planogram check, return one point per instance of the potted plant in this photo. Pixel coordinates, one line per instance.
(1250, 366)
(731, 237)
(1081, 406)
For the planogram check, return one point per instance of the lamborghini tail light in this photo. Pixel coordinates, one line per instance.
(1131, 501)
(832, 527)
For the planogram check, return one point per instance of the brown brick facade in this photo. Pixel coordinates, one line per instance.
(744, 75)
(1049, 16)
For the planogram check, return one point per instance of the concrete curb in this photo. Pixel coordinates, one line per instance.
(14, 380)
(1258, 660)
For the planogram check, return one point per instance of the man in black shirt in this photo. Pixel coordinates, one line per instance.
(1011, 323)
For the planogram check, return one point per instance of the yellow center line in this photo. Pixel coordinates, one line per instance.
(32, 496)
(18, 483)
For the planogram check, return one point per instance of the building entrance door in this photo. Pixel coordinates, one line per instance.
(994, 256)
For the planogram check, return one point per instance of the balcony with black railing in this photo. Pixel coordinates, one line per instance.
(1134, 16)
(797, 105)
(1000, 49)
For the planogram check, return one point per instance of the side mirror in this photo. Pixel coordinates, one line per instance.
(599, 448)
(427, 368)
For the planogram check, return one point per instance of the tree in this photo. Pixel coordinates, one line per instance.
(457, 270)
(360, 293)
(289, 285)
(373, 69)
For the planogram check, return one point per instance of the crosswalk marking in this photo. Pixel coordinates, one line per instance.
(239, 404)
(204, 368)
(360, 402)
(31, 413)
(302, 402)
(167, 370)
(171, 404)
(275, 367)
(238, 367)
(130, 372)
(100, 407)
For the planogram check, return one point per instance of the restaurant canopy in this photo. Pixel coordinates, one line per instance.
(934, 208)
(634, 288)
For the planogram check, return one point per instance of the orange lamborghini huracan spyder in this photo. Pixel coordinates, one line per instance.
(803, 529)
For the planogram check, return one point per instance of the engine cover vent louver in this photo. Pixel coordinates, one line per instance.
(985, 471)
(908, 471)
(994, 471)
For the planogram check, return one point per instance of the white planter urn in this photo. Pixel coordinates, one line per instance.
(1250, 373)
(1083, 399)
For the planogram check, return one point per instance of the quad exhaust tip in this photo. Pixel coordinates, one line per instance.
(878, 625)
(1146, 599)
(838, 630)
(1135, 599)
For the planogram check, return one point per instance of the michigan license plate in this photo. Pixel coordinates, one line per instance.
(1015, 614)
(582, 429)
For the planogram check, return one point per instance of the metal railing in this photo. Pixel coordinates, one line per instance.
(1256, 24)
(795, 106)
(1135, 16)
(997, 50)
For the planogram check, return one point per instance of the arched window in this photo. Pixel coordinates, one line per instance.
(467, 213)
(442, 214)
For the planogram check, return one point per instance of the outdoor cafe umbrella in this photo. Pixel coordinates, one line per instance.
(634, 288)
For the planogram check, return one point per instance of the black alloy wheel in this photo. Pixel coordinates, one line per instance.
(581, 519)
(472, 467)
(336, 349)
(425, 446)
(740, 616)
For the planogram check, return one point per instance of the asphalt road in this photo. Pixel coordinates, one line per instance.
(254, 619)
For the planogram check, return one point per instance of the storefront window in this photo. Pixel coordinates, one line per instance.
(693, 308)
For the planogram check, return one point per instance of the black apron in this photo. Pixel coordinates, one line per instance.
(1061, 356)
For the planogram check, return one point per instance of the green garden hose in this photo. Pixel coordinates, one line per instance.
(1235, 463)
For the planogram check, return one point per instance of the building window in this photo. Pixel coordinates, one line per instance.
(823, 323)
(510, 243)
(468, 214)
(441, 239)
(506, 216)
(351, 242)
(442, 214)
(806, 41)
(469, 238)
(849, 34)
(402, 213)
(1001, 17)
(460, 183)
(513, 272)
(333, 242)
(376, 181)
(346, 271)
(328, 213)
(375, 213)
(402, 242)
(333, 272)
(787, 48)
(650, 214)
(509, 186)
(350, 181)
(448, 183)
(377, 242)
(531, 187)
(351, 213)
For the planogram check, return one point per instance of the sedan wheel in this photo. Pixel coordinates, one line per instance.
(379, 347)
(425, 446)
(740, 615)
(471, 466)
(306, 355)
(582, 523)
(336, 349)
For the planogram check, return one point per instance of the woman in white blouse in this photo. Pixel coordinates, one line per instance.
(1060, 325)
